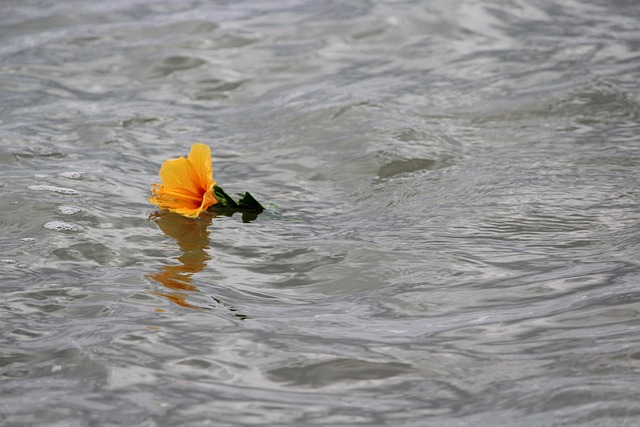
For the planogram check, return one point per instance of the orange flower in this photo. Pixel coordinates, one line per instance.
(187, 184)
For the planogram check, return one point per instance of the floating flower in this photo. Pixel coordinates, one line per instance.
(188, 188)
(187, 184)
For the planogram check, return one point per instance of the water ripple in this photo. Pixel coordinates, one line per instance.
(451, 232)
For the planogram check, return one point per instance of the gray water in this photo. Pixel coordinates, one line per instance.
(452, 230)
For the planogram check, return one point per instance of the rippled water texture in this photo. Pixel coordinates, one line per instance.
(452, 234)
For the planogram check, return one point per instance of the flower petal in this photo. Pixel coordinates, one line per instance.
(180, 175)
(200, 158)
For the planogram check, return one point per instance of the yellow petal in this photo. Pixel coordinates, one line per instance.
(208, 199)
(179, 173)
(189, 213)
(200, 158)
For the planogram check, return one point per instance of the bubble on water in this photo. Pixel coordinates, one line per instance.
(8, 261)
(61, 226)
(53, 189)
(69, 210)
(72, 175)
(40, 176)
(28, 239)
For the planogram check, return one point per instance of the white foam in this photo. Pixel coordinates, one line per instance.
(71, 175)
(69, 210)
(53, 189)
(61, 226)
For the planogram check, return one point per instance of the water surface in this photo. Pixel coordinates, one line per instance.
(452, 232)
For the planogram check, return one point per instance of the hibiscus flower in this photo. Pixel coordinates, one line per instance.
(187, 184)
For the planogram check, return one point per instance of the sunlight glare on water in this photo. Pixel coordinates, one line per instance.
(451, 236)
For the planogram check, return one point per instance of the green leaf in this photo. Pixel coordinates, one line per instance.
(247, 205)
(224, 200)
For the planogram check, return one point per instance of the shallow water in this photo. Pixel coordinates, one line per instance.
(451, 237)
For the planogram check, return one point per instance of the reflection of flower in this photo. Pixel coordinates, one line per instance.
(192, 236)
(193, 239)
(187, 184)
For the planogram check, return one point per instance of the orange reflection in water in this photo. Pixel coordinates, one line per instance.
(192, 236)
